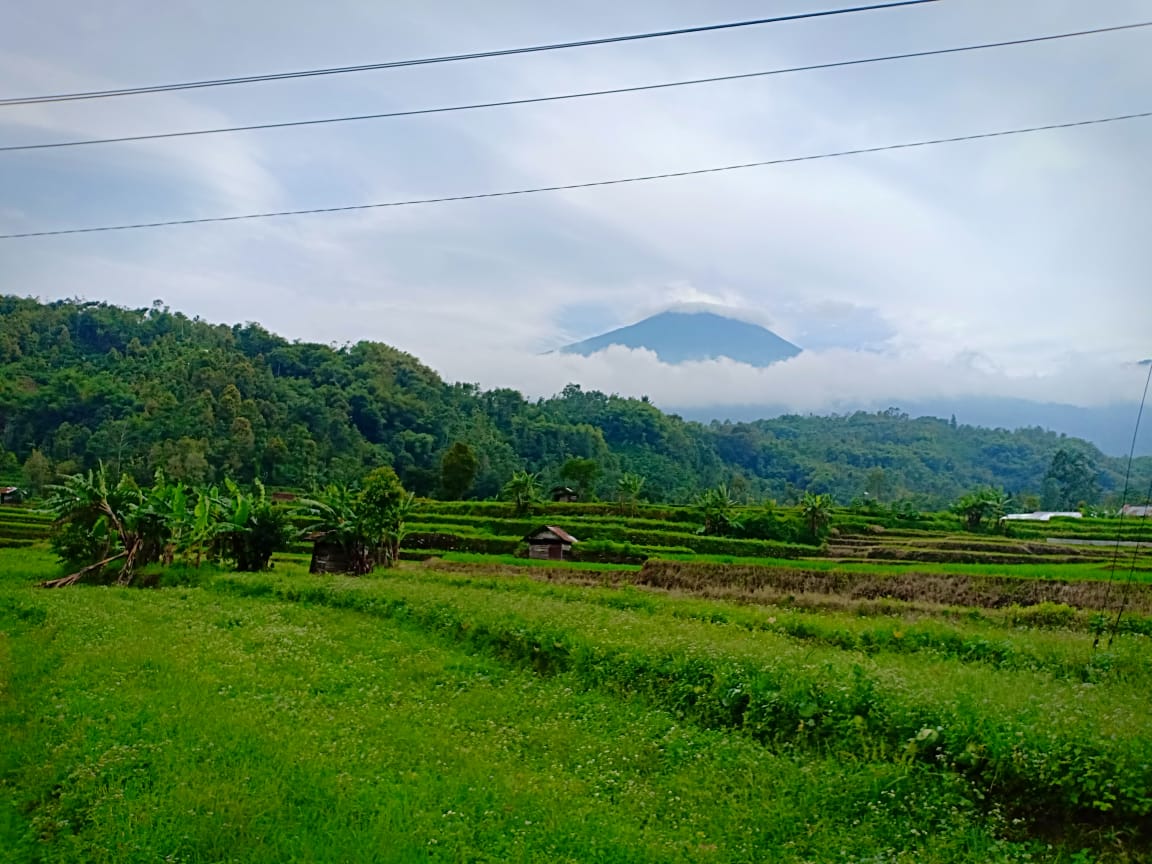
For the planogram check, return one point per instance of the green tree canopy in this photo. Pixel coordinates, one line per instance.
(38, 473)
(458, 468)
(140, 389)
(582, 472)
(1070, 481)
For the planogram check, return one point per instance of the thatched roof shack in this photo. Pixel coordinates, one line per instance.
(550, 543)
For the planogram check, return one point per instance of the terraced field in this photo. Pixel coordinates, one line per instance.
(479, 708)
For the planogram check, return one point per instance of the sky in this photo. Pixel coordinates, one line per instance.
(1007, 267)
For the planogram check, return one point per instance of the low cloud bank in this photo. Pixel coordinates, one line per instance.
(814, 381)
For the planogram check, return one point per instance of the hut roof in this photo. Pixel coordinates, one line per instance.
(559, 533)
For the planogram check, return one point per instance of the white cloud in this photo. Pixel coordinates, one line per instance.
(1023, 255)
(813, 381)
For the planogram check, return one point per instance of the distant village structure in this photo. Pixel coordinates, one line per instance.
(1042, 516)
(11, 495)
(1140, 511)
(550, 543)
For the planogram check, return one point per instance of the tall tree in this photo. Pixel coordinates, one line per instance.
(458, 469)
(1070, 481)
(385, 505)
(583, 472)
(878, 485)
(366, 526)
(37, 473)
(816, 511)
(718, 510)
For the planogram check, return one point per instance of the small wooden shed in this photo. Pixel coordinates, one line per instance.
(564, 494)
(550, 543)
(10, 495)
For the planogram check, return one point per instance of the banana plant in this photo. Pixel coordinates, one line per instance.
(96, 519)
(250, 527)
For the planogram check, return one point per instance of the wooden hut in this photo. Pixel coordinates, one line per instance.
(10, 495)
(331, 557)
(550, 543)
(564, 495)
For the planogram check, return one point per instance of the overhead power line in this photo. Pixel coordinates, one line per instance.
(1120, 524)
(450, 58)
(1003, 133)
(581, 95)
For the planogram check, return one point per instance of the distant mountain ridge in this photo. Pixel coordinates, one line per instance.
(145, 389)
(678, 336)
(1108, 427)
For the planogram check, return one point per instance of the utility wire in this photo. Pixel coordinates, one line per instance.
(589, 184)
(450, 58)
(581, 95)
(1124, 501)
(1132, 570)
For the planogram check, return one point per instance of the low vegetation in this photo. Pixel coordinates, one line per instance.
(971, 703)
(190, 725)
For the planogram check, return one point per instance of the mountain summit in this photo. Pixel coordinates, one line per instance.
(678, 337)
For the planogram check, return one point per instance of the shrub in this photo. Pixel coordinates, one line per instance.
(608, 552)
(767, 523)
(445, 542)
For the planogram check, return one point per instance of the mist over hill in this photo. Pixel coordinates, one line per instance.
(147, 389)
(680, 335)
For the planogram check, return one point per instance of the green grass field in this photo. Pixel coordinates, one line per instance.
(492, 715)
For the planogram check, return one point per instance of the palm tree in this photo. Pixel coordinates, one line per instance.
(250, 527)
(394, 529)
(337, 520)
(983, 503)
(816, 511)
(367, 526)
(628, 488)
(718, 509)
(523, 490)
(98, 523)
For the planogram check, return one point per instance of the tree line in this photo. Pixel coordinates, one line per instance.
(141, 390)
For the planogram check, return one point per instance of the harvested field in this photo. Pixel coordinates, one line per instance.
(990, 592)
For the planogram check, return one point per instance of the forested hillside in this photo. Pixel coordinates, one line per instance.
(141, 389)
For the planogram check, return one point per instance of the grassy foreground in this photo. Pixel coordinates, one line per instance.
(201, 725)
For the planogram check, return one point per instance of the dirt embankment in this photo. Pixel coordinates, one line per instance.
(990, 592)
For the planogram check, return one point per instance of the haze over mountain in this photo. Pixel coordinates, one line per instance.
(1109, 427)
(85, 383)
(686, 334)
(682, 336)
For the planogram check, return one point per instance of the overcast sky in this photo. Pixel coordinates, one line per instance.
(1016, 266)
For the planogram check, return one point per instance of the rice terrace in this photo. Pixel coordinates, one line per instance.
(905, 691)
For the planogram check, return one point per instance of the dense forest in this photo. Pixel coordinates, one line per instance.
(146, 389)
